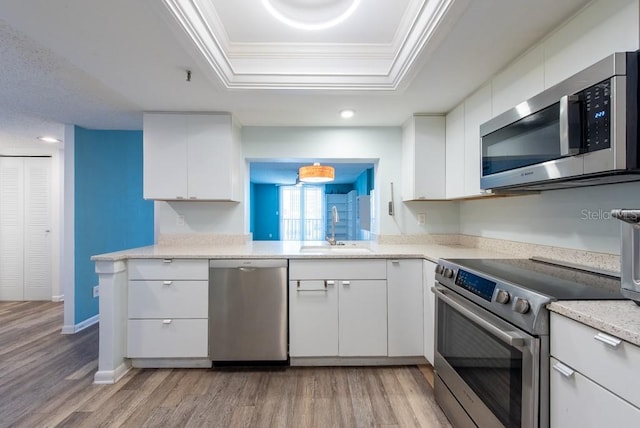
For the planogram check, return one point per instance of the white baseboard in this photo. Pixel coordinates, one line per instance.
(73, 329)
(109, 377)
(59, 298)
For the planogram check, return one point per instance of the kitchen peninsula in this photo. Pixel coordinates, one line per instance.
(189, 263)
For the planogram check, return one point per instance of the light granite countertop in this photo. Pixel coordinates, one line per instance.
(620, 318)
(291, 250)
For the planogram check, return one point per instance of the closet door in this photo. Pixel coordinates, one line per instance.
(25, 216)
(11, 228)
(37, 227)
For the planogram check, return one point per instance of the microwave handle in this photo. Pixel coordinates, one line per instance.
(570, 125)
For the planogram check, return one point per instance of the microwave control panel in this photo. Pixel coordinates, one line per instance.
(597, 116)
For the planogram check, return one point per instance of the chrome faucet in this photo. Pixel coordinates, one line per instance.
(334, 219)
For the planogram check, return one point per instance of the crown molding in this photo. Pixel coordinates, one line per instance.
(314, 66)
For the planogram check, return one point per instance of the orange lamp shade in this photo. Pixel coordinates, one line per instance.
(316, 173)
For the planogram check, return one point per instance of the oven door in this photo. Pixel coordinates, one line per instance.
(490, 367)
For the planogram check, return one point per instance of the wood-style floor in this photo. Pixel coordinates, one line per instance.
(46, 381)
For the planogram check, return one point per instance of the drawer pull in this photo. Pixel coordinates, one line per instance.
(346, 282)
(563, 370)
(614, 342)
(395, 262)
(167, 282)
(312, 289)
(167, 260)
(166, 321)
(329, 283)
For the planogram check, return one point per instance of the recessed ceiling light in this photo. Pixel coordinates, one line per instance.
(347, 114)
(301, 24)
(50, 139)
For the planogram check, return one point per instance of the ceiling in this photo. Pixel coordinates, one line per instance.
(100, 64)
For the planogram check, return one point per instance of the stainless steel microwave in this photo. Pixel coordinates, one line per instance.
(581, 132)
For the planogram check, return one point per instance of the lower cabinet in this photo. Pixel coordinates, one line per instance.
(429, 302)
(593, 377)
(405, 307)
(337, 308)
(362, 318)
(168, 308)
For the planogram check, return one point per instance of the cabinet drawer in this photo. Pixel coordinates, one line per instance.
(167, 338)
(578, 402)
(338, 269)
(168, 299)
(165, 269)
(614, 366)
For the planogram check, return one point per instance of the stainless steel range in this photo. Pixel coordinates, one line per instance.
(492, 336)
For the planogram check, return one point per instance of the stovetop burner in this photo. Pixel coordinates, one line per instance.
(557, 282)
(518, 290)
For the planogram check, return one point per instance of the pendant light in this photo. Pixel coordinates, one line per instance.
(316, 173)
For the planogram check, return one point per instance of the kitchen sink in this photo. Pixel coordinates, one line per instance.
(334, 249)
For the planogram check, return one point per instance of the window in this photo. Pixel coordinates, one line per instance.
(302, 209)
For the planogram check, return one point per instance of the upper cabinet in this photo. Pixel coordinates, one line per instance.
(423, 158)
(463, 144)
(191, 156)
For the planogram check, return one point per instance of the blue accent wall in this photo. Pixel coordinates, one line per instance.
(265, 212)
(110, 213)
(364, 182)
(338, 189)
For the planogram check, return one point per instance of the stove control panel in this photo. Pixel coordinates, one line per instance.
(476, 284)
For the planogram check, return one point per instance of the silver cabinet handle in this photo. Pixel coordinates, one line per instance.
(298, 289)
(193, 197)
(166, 321)
(329, 283)
(512, 338)
(167, 282)
(167, 260)
(614, 342)
(395, 262)
(346, 282)
(563, 370)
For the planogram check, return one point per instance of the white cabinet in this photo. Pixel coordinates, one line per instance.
(423, 158)
(594, 377)
(167, 308)
(429, 302)
(337, 308)
(362, 317)
(313, 318)
(191, 157)
(405, 308)
(455, 153)
(477, 110)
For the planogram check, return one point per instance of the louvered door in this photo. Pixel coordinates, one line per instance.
(25, 216)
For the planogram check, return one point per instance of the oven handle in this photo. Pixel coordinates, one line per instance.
(511, 338)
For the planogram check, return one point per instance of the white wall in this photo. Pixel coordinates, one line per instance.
(573, 218)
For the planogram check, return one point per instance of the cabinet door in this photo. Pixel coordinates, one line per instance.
(165, 156)
(454, 169)
(429, 274)
(363, 318)
(405, 308)
(477, 110)
(313, 318)
(210, 157)
(576, 401)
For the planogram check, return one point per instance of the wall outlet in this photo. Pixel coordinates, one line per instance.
(96, 290)
(180, 220)
(422, 218)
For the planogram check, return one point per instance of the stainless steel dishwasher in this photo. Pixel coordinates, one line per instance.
(248, 311)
